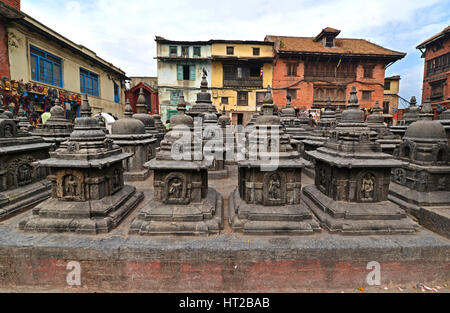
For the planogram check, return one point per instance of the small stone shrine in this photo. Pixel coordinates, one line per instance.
(129, 133)
(88, 193)
(352, 181)
(57, 129)
(321, 133)
(410, 116)
(147, 119)
(387, 140)
(229, 142)
(22, 183)
(422, 184)
(213, 142)
(182, 203)
(160, 126)
(268, 198)
(338, 114)
(23, 122)
(444, 119)
(291, 123)
(304, 122)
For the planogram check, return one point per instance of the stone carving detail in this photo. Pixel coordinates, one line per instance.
(367, 188)
(8, 130)
(73, 146)
(442, 183)
(275, 187)
(71, 188)
(108, 143)
(175, 189)
(24, 174)
(399, 175)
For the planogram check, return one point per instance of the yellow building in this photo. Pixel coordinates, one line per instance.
(241, 72)
(39, 56)
(390, 98)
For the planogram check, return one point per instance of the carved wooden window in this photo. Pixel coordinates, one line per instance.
(197, 52)
(256, 51)
(291, 69)
(329, 42)
(230, 50)
(367, 95)
(368, 71)
(173, 51)
(437, 90)
(224, 100)
(242, 98)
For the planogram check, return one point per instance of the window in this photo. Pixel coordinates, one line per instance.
(186, 72)
(242, 98)
(240, 73)
(256, 51)
(368, 71)
(230, 50)
(387, 85)
(291, 69)
(329, 42)
(367, 95)
(45, 67)
(185, 51)
(438, 65)
(224, 100)
(386, 107)
(88, 82)
(260, 98)
(437, 90)
(116, 93)
(173, 51)
(292, 93)
(197, 51)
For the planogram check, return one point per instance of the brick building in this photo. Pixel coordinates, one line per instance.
(436, 82)
(311, 69)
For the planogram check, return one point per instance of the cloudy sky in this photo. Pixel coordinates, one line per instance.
(123, 32)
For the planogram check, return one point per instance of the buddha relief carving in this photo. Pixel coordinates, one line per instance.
(367, 188)
(71, 189)
(175, 189)
(24, 174)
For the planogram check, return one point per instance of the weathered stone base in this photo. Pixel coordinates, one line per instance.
(157, 218)
(412, 200)
(436, 219)
(219, 174)
(20, 199)
(259, 219)
(136, 176)
(92, 217)
(358, 218)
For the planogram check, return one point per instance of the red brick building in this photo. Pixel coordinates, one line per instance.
(436, 82)
(311, 69)
(9, 10)
(151, 97)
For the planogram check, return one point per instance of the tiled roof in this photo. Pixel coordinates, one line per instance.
(342, 46)
(423, 44)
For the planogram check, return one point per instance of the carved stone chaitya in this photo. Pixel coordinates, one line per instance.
(22, 182)
(159, 126)
(23, 122)
(444, 119)
(230, 145)
(411, 115)
(422, 184)
(57, 129)
(387, 140)
(182, 203)
(147, 119)
(214, 144)
(130, 135)
(88, 193)
(291, 123)
(268, 199)
(352, 181)
(203, 104)
(321, 133)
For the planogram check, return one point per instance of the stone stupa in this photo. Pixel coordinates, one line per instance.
(129, 133)
(350, 194)
(22, 182)
(182, 203)
(88, 191)
(387, 140)
(203, 104)
(421, 185)
(147, 119)
(57, 129)
(213, 142)
(410, 116)
(268, 198)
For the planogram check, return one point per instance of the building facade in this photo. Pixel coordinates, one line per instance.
(391, 97)
(150, 94)
(311, 69)
(241, 72)
(436, 81)
(48, 65)
(180, 65)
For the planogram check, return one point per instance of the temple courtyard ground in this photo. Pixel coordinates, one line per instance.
(229, 262)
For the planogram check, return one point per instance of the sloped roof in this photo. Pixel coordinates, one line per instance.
(342, 46)
(433, 38)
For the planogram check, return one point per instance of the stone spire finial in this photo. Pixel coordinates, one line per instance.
(57, 102)
(328, 105)
(128, 110)
(204, 82)
(181, 106)
(85, 110)
(268, 98)
(376, 109)
(288, 101)
(426, 112)
(141, 105)
(353, 100)
(413, 102)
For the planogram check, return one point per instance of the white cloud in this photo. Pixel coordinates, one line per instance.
(123, 32)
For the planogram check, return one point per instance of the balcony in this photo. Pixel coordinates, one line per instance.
(254, 83)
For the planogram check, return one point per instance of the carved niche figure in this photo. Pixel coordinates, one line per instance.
(399, 175)
(24, 174)
(8, 130)
(175, 188)
(367, 191)
(116, 179)
(70, 187)
(275, 187)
